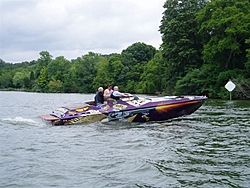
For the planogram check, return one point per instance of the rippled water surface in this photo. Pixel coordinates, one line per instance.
(210, 148)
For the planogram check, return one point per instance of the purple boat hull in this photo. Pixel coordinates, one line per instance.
(131, 109)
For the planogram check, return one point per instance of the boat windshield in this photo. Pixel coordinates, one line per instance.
(127, 98)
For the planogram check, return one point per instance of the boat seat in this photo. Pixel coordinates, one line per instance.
(110, 100)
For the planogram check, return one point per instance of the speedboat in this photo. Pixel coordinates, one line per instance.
(130, 109)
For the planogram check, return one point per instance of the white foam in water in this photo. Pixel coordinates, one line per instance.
(20, 120)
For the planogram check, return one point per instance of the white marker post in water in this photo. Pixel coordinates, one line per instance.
(230, 86)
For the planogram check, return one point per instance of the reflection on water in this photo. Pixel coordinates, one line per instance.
(210, 148)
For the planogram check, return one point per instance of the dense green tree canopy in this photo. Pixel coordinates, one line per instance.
(134, 58)
(152, 78)
(204, 44)
(225, 27)
(85, 71)
(181, 44)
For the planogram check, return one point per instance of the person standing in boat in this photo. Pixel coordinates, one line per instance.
(115, 94)
(99, 99)
(107, 92)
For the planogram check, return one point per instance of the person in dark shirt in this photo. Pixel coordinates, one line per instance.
(99, 99)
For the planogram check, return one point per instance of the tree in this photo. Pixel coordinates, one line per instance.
(137, 53)
(85, 71)
(102, 77)
(115, 66)
(42, 80)
(69, 84)
(42, 62)
(6, 79)
(224, 26)
(21, 79)
(152, 76)
(247, 63)
(59, 69)
(181, 45)
(134, 58)
(198, 81)
(108, 71)
(55, 86)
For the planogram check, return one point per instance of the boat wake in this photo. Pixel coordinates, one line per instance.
(20, 121)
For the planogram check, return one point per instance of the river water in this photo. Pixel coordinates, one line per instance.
(210, 148)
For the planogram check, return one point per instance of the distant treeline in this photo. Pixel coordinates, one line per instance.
(204, 44)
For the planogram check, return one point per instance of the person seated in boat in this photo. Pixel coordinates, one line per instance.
(99, 99)
(115, 94)
(107, 92)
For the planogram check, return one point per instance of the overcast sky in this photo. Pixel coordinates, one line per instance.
(72, 28)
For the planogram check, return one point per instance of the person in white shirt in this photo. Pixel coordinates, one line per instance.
(115, 94)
